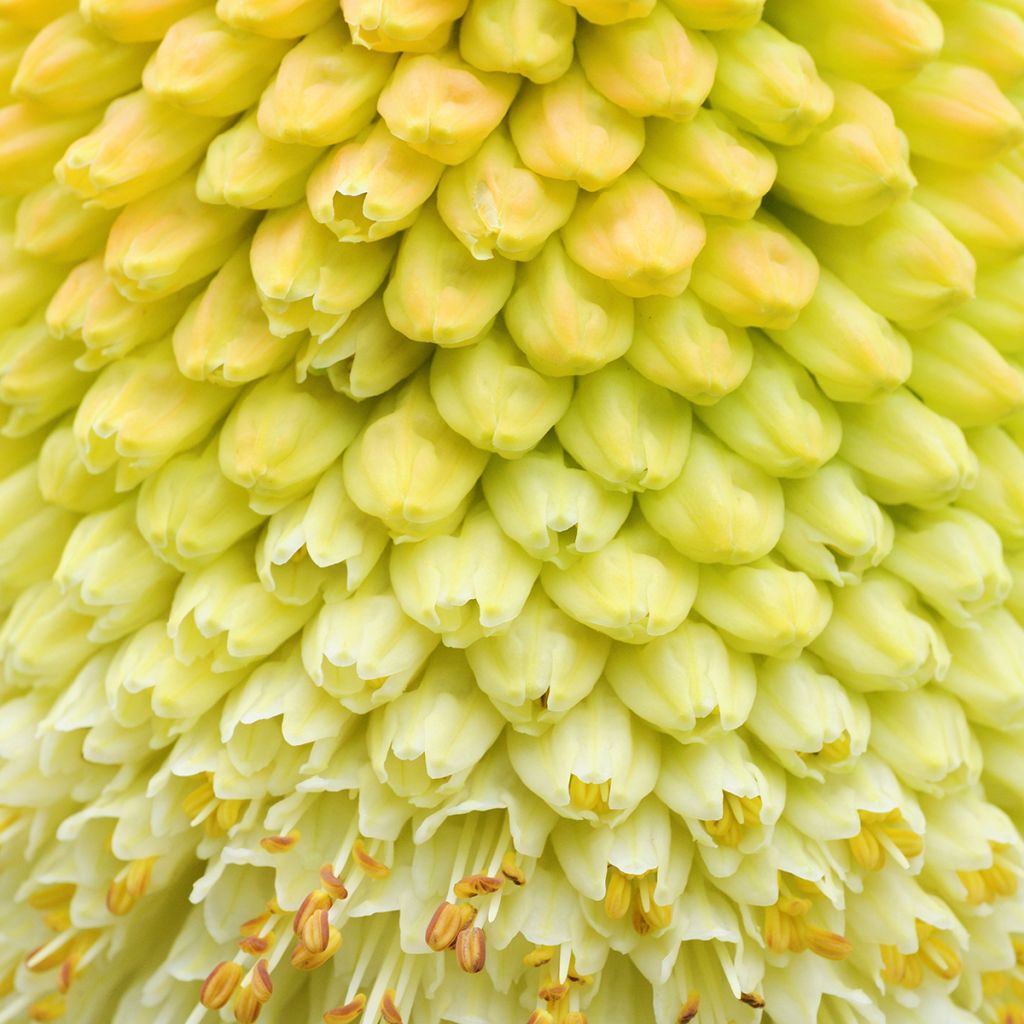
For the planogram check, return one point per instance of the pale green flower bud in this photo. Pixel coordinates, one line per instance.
(92, 573)
(905, 264)
(140, 412)
(982, 208)
(651, 66)
(833, 531)
(244, 168)
(687, 684)
(997, 310)
(1015, 599)
(281, 436)
(493, 202)
(408, 468)
(595, 765)
(880, 43)
(956, 114)
(306, 278)
(566, 320)
(223, 335)
(636, 235)
(325, 90)
(140, 145)
(207, 67)
(553, 510)
(438, 291)
(64, 479)
(490, 395)
(541, 667)
(777, 418)
(32, 140)
(532, 38)
(52, 223)
(988, 36)
(70, 66)
(629, 432)
(881, 638)
(414, 26)
(278, 19)
(442, 106)
(134, 21)
(954, 560)
(960, 375)
(221, 612)
(854, 353)
(769, 85)
(568, 131)
(756, 272)
(998, 494)
(634, 588)
(190, 513)
(907, 453)
(611, 12)
(925, 737)
(714, 166)
(689, 348)
(762, 607)
(366, 356)
(716, 15)
(721, 508)
(806, 719)
(26, 282)
(372, 187)
(467, 584)
(168, 240)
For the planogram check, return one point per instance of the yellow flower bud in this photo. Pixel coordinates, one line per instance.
(223, 335)
(636, 235)
(716, 15)
(954, 559)
(555, 511)
(409, 468)
(988, 36)
(651, 66)
(998, 494)
(33, 14)
(325, 90)
(278, 19)
(282, 435)
(494, 203)
(714, 166)
(14, 40)
(1015, 599)
(634, 588)
(568, 131)
(565, 319)
(16, 452)
(532, 38)
(413, 26)
(140, 412)
(881, 638)
(26, 282)
(960, 375)
(134, 21)
(879, 43)
(777, 418)
(833, 531)
(611, 12)
(207, 67)
(190, 513)
(490, 395)
(688, 348)
(853, 352)
(244, 168)
(52, 223)
(442, 106)
(906, 452)
(32, 140)
(769, 85)
(71, 66)
(169, 239)
(721, 508)
(139, 146)
(64, 479)
(756, 272)
(629, 432)
(467, 584)
(905, 264)
(997, 310)
(956, 114)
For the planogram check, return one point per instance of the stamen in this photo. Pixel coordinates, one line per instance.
(332, 883)
(305, 959)
(478, 885)
(318, 899)
(220, 984)
(589, 796)
(618, 895)
(316, 932)
(444, 926)
(511, 870)
(50, 1007)
(347, 1013)
(540, 1017)
(129, 886)
(262, 986)
(280, 844)
(690, 1008)
(388, 1010)
(373, 867)
(254, 945)
(471, 950)
(738, 815)
(553, 992)
(539, 956)
(50, 896)
(752, 999)
(246, 1007)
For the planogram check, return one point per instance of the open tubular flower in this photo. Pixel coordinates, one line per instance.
(512, 511)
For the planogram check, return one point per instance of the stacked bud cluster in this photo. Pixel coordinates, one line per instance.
(512, 511)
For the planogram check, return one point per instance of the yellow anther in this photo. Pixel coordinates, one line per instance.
(575, 1017)
(655, 915)
(478, 885)
(196, 800)
(305, 959)
(58, 920)
(262, 986)
(589, 796)
(254, 945)
(827, 944)
(539, 956)
(444, 926)
(227, 813)
(220, 984)
(511, 870)
(690, 1008)
(540, 1017)
(316, 931)
(867, 847)
(332, 883)
(752, 999)
(66, 974)
(318, 899)
(471, 950)
(48, 1008)
(254, 925)
(388, 1009)
(553, 992)
(738, 814)
(373, 867)
(347, 1013)
(618, 895)
(246, 1006)
(52, 896)
(281, 843)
